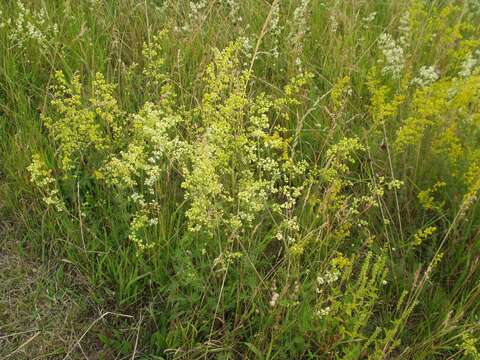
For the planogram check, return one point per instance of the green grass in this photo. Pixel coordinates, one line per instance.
(323, 205)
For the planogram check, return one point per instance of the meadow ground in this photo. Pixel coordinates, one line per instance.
(239, 179)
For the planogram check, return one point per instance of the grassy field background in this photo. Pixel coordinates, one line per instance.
(239, 179)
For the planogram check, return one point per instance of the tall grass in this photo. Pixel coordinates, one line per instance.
(253, 179)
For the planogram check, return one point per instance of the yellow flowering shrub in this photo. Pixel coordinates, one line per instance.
(81, 127)
(260, 197)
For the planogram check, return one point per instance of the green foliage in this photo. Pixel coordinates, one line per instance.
(282, 180)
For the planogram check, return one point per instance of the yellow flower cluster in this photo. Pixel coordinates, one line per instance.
(80, 127)
(423, 234)
(42, 177)
(233, 162)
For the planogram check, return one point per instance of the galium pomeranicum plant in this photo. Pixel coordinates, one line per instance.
(438, 104)
(234, 160)
(433, 118)
(240, 173)
(249, 232)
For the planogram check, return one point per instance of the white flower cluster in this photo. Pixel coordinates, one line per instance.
(426, 76)
(328, 278)
(275, 296)
(31, 26)
(404, 29)
(196, 9)
(287, 230)
(333, 23)
(369, 19)
(470, 65)
(275, 29)
(300, 13)
(234, 6)
(333, 19)
(247, 45)
(196, 15)
(323, 311)
(299, 29)
(394, 60)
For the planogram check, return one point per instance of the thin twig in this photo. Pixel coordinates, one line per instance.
(23, 345)
(136, 338)
(90, 327)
